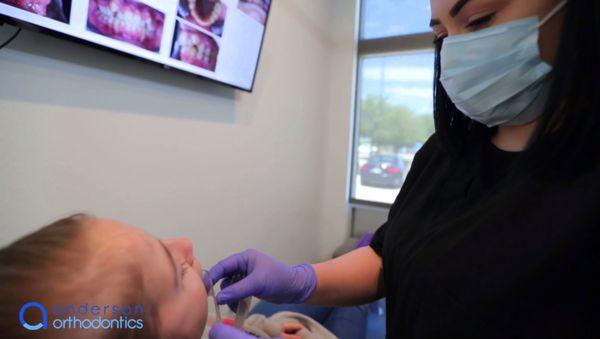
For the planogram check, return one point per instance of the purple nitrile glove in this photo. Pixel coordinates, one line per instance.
(222, 331)
(365, 240)
(264, 278)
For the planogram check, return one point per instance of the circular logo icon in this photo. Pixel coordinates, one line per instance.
(34, 327)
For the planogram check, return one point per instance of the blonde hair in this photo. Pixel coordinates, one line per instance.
(45, 266)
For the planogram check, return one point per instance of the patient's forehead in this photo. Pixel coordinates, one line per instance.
(117, 247)
(126, 246)
(109, 254)
(118, 234)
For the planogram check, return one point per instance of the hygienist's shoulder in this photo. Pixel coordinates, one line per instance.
(433, 143)
(431, 149)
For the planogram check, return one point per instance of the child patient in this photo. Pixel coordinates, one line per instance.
(84, 260)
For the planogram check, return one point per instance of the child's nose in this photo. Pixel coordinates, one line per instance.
(187, 248)
(184, 247)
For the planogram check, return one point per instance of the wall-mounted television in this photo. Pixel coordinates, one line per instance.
(217, 39)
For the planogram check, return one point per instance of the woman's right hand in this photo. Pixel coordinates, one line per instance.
(264, 278)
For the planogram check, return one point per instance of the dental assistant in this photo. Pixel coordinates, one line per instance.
(496, 231)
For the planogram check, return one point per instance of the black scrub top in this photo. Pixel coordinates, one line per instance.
(469, 253)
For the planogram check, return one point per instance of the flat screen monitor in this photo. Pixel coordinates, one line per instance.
(216, 39)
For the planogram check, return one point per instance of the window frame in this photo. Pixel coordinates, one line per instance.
(408, 43)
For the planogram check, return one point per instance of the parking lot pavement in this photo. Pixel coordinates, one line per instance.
(377, 194)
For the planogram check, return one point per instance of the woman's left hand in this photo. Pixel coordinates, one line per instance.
(222, 331)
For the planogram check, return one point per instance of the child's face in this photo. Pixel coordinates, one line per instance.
(171, 277)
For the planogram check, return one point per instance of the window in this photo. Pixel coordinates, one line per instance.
(388, 18)
(394, 97)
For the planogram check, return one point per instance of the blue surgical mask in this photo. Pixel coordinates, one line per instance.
(496, 76)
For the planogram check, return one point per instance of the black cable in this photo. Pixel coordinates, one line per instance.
(13, 37)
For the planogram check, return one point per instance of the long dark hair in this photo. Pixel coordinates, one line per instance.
(567, 139)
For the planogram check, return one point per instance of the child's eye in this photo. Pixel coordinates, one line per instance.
(481, 22)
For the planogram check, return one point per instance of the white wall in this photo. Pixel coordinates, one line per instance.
(334, 214)
(85, 130)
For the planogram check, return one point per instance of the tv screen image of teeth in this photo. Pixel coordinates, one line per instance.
(256, 9)
(199, 25)
(217, 39)
(59, 10)
(129, 21)
(209, 15)
(194, 47)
